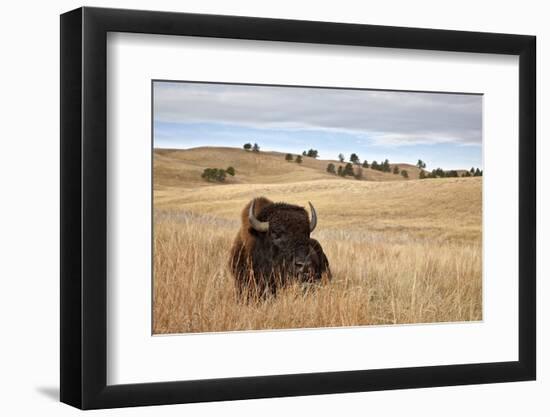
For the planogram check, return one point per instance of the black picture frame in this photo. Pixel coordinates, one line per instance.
(84, 207)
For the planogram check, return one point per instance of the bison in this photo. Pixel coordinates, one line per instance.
(273, 247)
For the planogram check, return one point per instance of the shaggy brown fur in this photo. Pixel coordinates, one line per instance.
(261, 262)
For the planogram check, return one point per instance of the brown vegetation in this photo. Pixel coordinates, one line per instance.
(400, 251)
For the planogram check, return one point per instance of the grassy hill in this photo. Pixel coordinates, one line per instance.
(183, 167)
(400, 251)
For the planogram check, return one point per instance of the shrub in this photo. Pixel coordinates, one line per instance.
(365, 164)
(331, 169)
(298, 159)
(405, 174)
(247, 146)
(396, 170)
(289, 157)
(214, 175)
(340, 171)
(230, 171)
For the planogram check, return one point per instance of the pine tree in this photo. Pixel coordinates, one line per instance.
(341, 157)
(331, 169)
(298, 159)
(247, 146)
(395, 169)
(365, 164)
(312, 153)
(405, 174)
(354, 158)
(438, 173)
(255, 148)
(348, 170)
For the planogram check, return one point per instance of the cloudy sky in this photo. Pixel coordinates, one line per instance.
(444, 130)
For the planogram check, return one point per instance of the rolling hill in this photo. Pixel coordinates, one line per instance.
(183, 167)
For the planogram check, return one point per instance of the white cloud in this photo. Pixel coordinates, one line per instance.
(388, 117)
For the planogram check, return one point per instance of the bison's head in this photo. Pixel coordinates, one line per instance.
(283, 239)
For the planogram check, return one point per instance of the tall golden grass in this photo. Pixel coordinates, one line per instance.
(400, 252)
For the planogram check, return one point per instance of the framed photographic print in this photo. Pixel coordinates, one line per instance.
(257, 207)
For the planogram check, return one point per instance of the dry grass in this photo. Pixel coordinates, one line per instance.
(400, 252)
(183, 167)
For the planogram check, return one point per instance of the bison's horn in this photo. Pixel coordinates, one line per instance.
(313, 221)
(254, 222)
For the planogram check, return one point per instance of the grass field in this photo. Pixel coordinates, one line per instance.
(401, 251)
